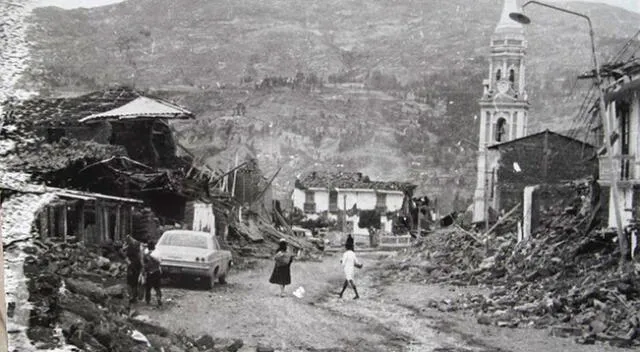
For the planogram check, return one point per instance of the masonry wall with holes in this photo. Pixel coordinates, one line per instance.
(541, 158)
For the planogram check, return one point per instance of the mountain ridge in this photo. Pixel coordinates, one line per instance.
(400, 76)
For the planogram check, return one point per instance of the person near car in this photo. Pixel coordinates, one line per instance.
(133, 256)
(282, 270)
(349, 262)
(153, 273)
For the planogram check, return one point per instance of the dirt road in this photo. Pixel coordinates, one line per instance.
(387, 318)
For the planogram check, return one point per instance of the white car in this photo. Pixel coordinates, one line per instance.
(193, 253)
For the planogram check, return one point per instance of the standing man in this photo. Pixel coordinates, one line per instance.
(133, 253)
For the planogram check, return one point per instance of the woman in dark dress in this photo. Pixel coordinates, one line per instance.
(282, 270)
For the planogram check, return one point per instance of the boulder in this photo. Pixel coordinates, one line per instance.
(87, 288)
(69, 320)
(159, 341)
(264, 348)
(85, 341)
(484, 319)
(565, 331)
(116, 291)
(104, 333)
(228, 345)
(81, 306)
(205, 342)
(103, 263)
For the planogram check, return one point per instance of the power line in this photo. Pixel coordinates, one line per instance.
(618, 56)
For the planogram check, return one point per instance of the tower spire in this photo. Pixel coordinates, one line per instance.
(506, 24)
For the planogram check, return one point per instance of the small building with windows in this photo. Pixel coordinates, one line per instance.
(350, 193)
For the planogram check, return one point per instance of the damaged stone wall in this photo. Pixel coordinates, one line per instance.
(567, 160)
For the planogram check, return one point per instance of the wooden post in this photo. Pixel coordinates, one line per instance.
(4, 338)
(63, 222)
(419, 218)
(43, 218)
(130, 224)
(52, 221)
(105, 214)
(344, 211)
(118, 226)
(98, 217)
(80, 226)
(545, 156)
(235, 175)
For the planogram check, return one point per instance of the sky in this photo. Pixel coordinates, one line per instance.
(70, 4)
(632, 5)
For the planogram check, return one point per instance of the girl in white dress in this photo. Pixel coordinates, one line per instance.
(349, 262)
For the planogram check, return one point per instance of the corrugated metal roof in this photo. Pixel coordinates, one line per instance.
(142, 107)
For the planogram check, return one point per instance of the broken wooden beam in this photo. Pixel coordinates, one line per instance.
(501, 220)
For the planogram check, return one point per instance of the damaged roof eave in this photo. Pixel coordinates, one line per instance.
(67, 193)
(142, 107)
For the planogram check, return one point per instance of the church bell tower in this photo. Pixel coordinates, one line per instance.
(503, 105)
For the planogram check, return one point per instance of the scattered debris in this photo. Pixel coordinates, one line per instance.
(565, 277)
(81, 293)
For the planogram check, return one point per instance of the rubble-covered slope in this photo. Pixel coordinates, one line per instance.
(565, 276)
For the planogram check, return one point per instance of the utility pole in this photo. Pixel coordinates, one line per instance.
(486, 188)
(419, 219)
(545, 156)
(4, 338)
(605, 117)
(344, 209)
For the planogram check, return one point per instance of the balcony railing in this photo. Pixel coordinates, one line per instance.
(309, 207)
(623, 166)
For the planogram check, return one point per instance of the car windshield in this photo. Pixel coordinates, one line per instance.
(184, 239)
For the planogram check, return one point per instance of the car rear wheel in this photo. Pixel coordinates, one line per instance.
(211, 280)
(223, 277)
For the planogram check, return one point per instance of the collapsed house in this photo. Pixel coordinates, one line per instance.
(91, 218)
(116, 142)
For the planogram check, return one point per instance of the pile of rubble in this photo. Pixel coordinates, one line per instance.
(258, 238)
(566, 276)
(80, 297)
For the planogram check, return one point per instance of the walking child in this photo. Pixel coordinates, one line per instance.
(153, 272)
(349, 262)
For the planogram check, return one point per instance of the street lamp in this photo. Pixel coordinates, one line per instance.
(520, 17)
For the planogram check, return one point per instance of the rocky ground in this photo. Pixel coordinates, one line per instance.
(389, 317)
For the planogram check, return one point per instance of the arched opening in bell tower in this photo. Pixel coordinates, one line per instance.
(501, 129)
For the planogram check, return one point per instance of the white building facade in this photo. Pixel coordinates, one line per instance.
(340, 197)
